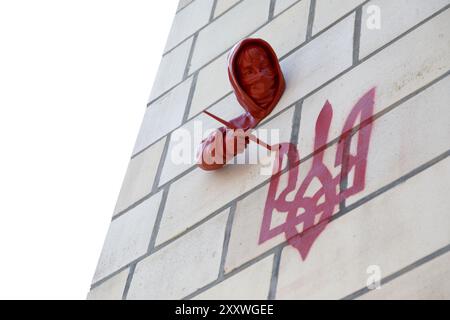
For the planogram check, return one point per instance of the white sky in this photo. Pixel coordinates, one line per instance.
(74, 82)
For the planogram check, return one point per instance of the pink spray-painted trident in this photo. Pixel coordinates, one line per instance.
(315, 211)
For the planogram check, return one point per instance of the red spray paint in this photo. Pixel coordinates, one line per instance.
(314, 215)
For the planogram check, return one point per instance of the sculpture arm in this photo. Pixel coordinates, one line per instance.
(219, 147)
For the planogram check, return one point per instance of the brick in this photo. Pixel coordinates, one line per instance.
(222, 34)
(292, 24)
(140, 176)
(252, 283)
(391, 231)
(228, 108)
(212, 84)
(329, 11)
(410, 135)
(212, 190)
(128, 237)
(396, 18)
(243, 245)
(183, 3)
(183, 266)
(171, 69)
(428, 281)
(394, 72)
(163, 115)
(223, 5)
(188, 21)
(281, 5)
(111, 289)
(317, 62)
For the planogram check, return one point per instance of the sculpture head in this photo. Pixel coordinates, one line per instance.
(257, 80)
(257, 74)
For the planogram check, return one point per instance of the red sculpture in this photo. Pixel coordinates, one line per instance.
(258, 84)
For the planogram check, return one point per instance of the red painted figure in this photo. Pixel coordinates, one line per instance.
(258, 84)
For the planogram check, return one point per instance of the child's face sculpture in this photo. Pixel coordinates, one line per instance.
(257, 75)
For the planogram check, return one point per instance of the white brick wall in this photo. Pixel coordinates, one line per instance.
(172, 69)
(396, 224)
(317, 62)
(395, 73)
(294, 19)
(328, 11)
(163, 115)
(187, 21)
(128, 237)
(222, 34)
(397, 17)
(183, 266)
(428, 281)
(212, 84)
(139, 177)
(223, 5)
(228, 108)
(111, 289)
(409, 129)
(281, 5)
(180, 232)
(252, 283)
(183, 3)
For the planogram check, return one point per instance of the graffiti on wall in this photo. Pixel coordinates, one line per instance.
(307, 215)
